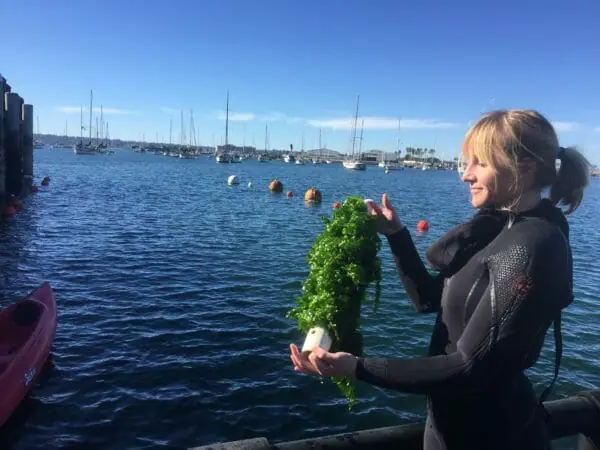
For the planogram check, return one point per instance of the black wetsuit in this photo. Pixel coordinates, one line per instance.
(503, 279)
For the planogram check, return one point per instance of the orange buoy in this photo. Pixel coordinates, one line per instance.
(313, 195)
(45, 181)
(336, 205)
(289, 194)
(34, 189)
(422, 225)
(275, 186)
(9, 211)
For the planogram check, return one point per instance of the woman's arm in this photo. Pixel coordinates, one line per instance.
(424, 289)
(529, 284)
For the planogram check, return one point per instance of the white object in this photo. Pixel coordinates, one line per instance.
(233, 179)
(354, 165)
(249, 184)
(368, 203)
(317, 337)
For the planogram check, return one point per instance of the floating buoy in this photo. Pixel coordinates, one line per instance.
(289, 194)
(386, 171)
(275, 186)
(233, 179)
(249, 184)
(9, 211)
(313, 195)
(422, 225)
(336, 205)
(34, 189)
(45, 181)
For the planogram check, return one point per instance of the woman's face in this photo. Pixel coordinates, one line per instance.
(488, 187)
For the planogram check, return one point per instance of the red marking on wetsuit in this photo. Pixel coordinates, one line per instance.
(522, 285)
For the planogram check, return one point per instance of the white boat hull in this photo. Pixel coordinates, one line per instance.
(354, 165)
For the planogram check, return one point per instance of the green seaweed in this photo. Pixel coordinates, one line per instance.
(343, 263)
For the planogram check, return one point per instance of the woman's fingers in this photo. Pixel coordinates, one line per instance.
(385, 201)
(301, 361)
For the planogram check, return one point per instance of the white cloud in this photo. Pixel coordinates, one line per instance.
(380, 123)
(168, 110)
(565, 127)
(237, 117)
(77, 109)
(342, 123)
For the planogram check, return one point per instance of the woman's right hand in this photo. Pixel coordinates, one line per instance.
(388, 222)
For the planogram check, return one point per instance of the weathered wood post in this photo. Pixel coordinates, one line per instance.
(2, 154)
(27, 150)
(13, 144)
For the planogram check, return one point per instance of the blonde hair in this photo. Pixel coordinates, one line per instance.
(503, 139)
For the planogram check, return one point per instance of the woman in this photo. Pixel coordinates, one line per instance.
(503, 279)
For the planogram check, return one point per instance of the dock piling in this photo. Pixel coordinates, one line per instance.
(2, 153)
(27, 180)
(16, 144)
(13, 144)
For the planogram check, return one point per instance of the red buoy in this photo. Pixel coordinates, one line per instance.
(16, 203)
(289, 194)
(336, 205)
(422, 225)
(34, 189)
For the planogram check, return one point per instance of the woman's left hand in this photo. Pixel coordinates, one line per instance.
(321, 362)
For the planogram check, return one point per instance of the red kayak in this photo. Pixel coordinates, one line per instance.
(27, 330)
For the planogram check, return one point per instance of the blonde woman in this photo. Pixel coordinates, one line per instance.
(503, 278)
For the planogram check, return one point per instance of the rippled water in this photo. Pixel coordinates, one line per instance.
(173, 288)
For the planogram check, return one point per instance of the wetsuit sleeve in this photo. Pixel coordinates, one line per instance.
(424, 289)
(527, 289)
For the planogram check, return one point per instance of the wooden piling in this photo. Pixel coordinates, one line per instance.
(16, 145)
(2, 154)
(27, 131)
(13, 144)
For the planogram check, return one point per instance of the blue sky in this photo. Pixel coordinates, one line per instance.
(299, 65)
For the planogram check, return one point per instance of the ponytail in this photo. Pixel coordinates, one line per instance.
(571, 179)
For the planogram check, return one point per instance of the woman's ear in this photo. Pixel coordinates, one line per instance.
(528, 170)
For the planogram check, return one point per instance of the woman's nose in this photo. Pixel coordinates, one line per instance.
(468, 175)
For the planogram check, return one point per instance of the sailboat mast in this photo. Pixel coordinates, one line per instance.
(91, 102)
(398, 151)
(362, 130)
(266, 135)
(355, 125)
(227, 124)
(170, 131)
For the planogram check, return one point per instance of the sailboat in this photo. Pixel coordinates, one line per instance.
(354, 162)
(87, 149)
(319, 158)
(263, 158)
(225, 156)
(300, 159)
(387, 166)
